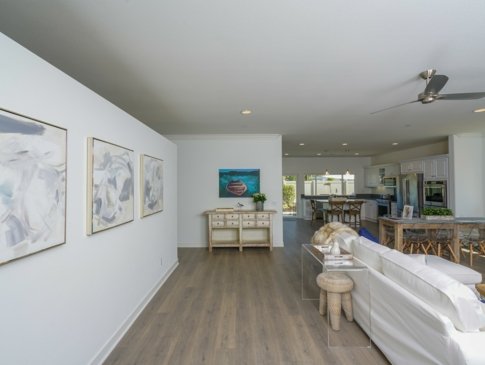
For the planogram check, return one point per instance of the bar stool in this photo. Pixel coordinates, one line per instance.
(353, 210)
(335, 209)
(335, 288)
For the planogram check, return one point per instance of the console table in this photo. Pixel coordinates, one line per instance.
(243, 228)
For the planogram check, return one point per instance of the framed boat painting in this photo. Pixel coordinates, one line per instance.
(151, 185)
(110, 186)
(32, 185)
(236, 183)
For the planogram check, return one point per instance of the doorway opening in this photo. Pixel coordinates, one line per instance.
(289, 195)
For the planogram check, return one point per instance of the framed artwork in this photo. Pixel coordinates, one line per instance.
(407, 212)
(151, 185)
(236, 183)
(110, 185)
(32, 185)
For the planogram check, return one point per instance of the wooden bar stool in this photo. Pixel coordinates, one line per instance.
(335, 288)
(335, 209)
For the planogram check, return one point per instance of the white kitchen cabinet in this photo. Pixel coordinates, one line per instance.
(372, 178)
(370, 210)
(436, 168)
(392, 170)
(412, 166)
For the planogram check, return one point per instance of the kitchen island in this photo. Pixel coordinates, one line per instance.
(392, 229)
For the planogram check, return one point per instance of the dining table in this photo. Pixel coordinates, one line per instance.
(393, 229)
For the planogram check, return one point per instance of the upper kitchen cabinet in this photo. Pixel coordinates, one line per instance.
(412, 166)
(392, 170)
(436, 168)
(372, 178)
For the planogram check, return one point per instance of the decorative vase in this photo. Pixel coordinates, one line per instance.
(259, 206)
(335, 250)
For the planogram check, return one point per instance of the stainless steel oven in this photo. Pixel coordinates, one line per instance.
(435, 193)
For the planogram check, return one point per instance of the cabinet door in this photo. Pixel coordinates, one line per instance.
(392, 170)
(442, 168)
(412, 166)
(370, 210)
(436, 168)
(371, 177)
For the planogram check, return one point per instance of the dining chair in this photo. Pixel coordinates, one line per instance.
(316, 211)
(353, 209)
(335, 209)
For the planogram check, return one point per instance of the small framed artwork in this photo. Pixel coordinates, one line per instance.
(110, 185)
(407, 212)
(32, 185)
(236, 183)
(151, 185)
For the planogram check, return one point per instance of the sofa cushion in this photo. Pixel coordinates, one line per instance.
(445, 294)
(458, 272)
(369, 252)
(418, 257)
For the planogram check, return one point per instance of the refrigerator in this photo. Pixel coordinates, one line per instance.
(410, 191)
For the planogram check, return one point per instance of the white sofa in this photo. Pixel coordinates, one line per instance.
(419, 315)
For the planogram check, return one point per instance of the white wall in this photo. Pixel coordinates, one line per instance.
(467, 161)
(301, 166)
(200, 158)
(69, 304)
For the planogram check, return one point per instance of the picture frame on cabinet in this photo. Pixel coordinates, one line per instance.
(407, 212)
(33, 165)
(151, 185)
(110, 185)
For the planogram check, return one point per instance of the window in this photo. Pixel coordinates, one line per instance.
(341, 184)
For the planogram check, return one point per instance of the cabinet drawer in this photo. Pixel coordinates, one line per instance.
(262, 216)
(232, 223)
(217, 223)
(249, 223)
(262, 223)
(249, 216)
(232, 216)
(217, 217)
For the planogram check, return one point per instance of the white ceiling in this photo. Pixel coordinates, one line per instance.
(310, 70)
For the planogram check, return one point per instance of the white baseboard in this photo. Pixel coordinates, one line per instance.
(108, 347)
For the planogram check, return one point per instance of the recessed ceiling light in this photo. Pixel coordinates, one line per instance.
(481, 110)
(286, 154)
(301, 144)
(395, 143)
(357, 153)
(319, 154)
(344, 144)
(246, 112)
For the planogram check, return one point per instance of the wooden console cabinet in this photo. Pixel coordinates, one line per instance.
(243, 228)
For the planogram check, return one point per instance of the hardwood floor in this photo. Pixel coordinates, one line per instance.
(231, 307)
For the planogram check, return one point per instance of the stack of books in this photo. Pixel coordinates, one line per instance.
(224, 209)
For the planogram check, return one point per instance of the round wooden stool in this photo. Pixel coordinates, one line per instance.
(335, 288)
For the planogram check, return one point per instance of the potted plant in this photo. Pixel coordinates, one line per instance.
(259, 199)
(437, 213)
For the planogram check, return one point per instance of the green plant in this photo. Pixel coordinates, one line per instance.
(289, 195)
(437, 211)
(259, 197)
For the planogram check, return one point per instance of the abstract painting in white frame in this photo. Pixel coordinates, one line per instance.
(151, 185)
(32, 185)
(110, 185)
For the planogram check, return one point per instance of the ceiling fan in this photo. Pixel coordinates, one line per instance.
(434, 83)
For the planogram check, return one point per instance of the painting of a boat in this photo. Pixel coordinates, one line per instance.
(238, 183)
(236, 187)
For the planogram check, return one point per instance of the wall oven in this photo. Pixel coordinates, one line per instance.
(435, 194)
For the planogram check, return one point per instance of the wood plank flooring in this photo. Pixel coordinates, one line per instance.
(230, 307)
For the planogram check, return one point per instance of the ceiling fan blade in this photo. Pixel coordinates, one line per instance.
(435, 84)
(395, 106)
(462, 96)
